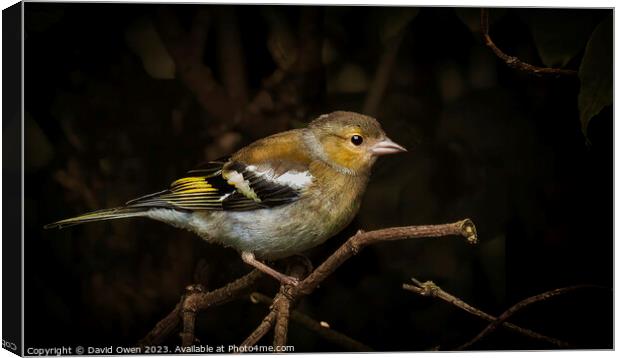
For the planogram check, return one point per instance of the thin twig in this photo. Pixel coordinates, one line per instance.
(261, 330)
(281, 306)
(501, 320)
(512, 61)
(353, 245)
(195, 301)
(278, 315)
(187, 335)
(188, 315)
(323, 329)
(430, 289)
(163, 329)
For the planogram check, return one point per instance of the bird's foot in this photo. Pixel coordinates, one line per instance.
(289, 280)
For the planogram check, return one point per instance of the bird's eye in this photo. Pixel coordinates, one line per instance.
(357, 139)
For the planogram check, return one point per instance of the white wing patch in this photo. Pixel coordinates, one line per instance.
(297, 180)
(265, 185)
(292, 178)
(237, 179)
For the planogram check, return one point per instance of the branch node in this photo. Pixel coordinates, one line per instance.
(352, 244)
(197, 297)
(428, 288)
(514, 62)
(469, 231)
(289, 292)
(196, 288)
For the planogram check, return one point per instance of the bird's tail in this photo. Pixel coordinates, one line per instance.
(105, 214)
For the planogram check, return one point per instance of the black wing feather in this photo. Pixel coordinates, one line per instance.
(206, 189)
(270, 192)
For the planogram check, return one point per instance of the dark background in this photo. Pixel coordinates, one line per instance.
(485, 141)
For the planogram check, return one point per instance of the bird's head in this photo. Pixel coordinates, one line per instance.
(350, 141)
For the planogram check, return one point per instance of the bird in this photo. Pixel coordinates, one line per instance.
(274, 198)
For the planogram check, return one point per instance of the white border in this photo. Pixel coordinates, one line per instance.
(453, 3)
(498, 3)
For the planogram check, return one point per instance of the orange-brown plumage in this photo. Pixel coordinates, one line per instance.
(276, 149)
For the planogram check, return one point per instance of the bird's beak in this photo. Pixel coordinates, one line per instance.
(386, 146)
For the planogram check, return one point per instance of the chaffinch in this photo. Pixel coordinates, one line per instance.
(274, 198)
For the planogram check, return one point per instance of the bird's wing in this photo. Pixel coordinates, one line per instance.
(201, 189)
(261, 186)
(242, 182)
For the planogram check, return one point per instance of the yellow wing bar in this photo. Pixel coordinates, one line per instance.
(191, 185)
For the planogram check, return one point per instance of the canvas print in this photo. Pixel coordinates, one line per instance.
(302, 179)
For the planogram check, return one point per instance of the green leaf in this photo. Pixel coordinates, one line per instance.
(559, 34)
(395, 20)
(596, 73)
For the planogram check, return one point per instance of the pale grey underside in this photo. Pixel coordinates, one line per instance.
(270, 233)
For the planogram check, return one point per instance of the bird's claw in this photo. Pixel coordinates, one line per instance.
(289, 280)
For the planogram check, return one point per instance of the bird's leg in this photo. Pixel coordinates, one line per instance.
(249, 259)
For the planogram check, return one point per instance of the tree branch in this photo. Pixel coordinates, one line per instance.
(512, 61)
(323, 329)
(163, 329)
(261, 330)
(501, 320)
(429, 289)
(281, 306)
(194, 301)
(188, 315)
(353, 245)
